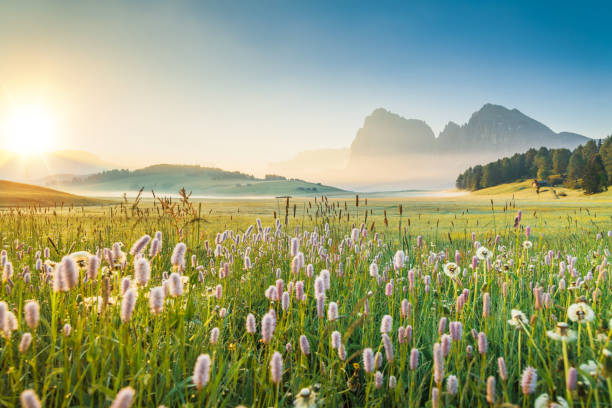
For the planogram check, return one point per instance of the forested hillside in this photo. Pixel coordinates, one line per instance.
(588, 167)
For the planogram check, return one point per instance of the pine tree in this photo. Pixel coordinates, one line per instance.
(606, 155)
(595, 178)
(575, 169)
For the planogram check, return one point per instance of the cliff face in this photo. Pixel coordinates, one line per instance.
(493, 128)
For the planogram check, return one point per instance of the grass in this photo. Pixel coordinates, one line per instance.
(155, 354)
(23, 195)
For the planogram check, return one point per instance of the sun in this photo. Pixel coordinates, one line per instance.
(29, 129)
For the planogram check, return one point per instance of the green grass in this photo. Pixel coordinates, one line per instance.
(156, 354)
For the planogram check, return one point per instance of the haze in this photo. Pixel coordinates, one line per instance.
(241, 84)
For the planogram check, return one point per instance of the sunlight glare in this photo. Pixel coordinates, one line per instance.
(29, 130)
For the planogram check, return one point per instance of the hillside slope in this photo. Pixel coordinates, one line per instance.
(20, 195)
(166, 178)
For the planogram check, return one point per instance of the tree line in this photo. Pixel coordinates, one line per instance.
(588, 167)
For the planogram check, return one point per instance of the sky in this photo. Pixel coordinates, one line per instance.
(238, 84)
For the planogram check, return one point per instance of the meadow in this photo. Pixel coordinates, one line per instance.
(475, 301)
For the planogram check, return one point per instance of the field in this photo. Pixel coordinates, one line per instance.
(333, 302)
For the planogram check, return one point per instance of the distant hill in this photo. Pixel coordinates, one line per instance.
(36, 167)
(20, 195)
(166, 178)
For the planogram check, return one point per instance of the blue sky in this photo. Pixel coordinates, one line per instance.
(241, 83)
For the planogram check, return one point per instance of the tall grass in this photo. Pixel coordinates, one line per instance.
(198, 346)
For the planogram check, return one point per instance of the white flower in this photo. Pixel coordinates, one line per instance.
(528, 245)
(562, 333)
(451, 270)
(580, 312)
(307, 398)
(518, 317)
(543, 401)
(483, 253)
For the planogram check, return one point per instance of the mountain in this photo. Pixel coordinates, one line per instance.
(497, 129)
(386, 133)
(396, 152)
(35, 167)
(18, 195)
(168, 179)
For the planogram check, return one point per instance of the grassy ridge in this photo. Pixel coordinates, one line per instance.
(19, 195)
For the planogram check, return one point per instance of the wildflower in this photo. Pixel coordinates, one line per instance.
(405, 308)
(268, 324)
(155, 248)
(214, 336)
(250, 324)
(368, 360)
(491, 390)
(67, 330)
(219, 292)
(93, 265)
(125, 285)
(156, 300)
(276, 367)
(482, 343)
(438, 361)
(178, 256)
(175, 287)
(373, 270)
(124, 398)
(335, 339)
(543, 401)
(142, 271)
(378, 380)
(306, 398)
(518, 319)
(295, 243)
(69, 272)
(414, 359)
(446, 342)
(580, 312)
(386, 323)
(29, 399)
(452, 270)
(201, 371)
(321, 306)
(456, 330)
(392, 382)
(32, 314)
(486, 305)
(527, 244)
(342, 352)
(452, 385)
(140, 245)
(388, 347)
(304, 345)
(571, 379)
(562, 333)
(529, 380)
(24, 345)
(435, 397)
(332, 311)
(501, 368)
(399, 259)
(127, 305)
(483, 253)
